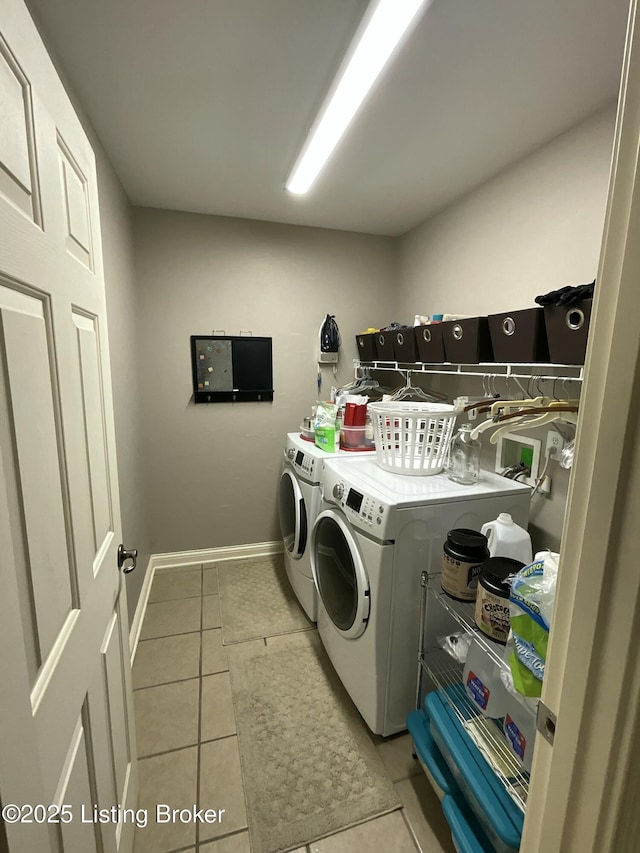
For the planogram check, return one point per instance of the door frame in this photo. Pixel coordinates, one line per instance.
(583, 788)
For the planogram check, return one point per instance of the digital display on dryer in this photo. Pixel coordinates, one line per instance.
(299, 457)
(354, 500)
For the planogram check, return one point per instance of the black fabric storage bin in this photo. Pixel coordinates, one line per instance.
(567, 331)
(366, 345)
(404, 345)
(519, 336)
(384, 346)
(430, 343)
(467, 341)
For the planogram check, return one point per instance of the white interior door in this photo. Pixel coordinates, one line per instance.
(583, 796)
(66, 734)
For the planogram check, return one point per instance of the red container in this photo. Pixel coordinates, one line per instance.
(355, 414)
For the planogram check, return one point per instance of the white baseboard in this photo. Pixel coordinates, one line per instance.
(141, 609)
(179, 559)
(212, 555)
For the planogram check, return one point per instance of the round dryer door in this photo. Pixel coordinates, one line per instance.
(293, 515)
(339, 573)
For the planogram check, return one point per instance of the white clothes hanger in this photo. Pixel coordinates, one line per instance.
(502, 407)
(415, 392)
(541, 420)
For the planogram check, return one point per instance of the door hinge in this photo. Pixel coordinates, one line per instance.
(546, 722)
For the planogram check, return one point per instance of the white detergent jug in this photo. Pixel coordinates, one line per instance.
(508, 539)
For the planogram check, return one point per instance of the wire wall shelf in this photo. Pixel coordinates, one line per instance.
(464, 614)
(494, 370)
(485, 733)
(446, 674)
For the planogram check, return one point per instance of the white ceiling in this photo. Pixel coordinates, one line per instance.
(203, 105)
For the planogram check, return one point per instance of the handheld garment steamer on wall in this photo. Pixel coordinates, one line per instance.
(328, 346)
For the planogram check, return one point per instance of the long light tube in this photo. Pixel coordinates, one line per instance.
(383, 26)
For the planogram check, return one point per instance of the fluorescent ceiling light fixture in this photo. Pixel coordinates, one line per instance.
(382, 28)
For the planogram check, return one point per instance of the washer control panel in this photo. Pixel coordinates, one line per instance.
(369, 512)
(308, 465)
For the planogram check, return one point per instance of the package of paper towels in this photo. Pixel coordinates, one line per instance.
(533, 591)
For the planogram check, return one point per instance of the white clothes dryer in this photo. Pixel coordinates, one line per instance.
(298, 505)
(375, 533)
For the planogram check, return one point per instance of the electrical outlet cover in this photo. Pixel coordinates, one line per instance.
(514, 448)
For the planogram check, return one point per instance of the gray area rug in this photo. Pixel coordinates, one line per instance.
(309, 766)
(256, 600)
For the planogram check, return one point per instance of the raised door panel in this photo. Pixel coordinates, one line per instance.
(34, 449)
(18, 172)
(112, 752)
(99, 715)
(95, 439)
(75, 195)
(114, 662)
(76, 791)
(18, 756)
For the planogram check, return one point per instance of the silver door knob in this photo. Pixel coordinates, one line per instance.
(126, 557)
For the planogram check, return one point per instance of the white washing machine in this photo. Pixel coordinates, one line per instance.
(298, 505)
(374, 535)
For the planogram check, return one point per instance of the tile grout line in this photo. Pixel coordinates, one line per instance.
(186, 746)
(165, 683)
(181, 849)
(410, 829)
(175, 598)
(177, 634)
(178, 680)
(200, 667)
(223, 837)
(183, 633)
(218, 739)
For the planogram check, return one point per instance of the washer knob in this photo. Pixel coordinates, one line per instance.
(338, 491)
(291, 452)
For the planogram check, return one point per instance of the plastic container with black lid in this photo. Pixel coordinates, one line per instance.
(492, 602)
(464, 553)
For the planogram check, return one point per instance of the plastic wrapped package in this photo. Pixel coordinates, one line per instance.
(327, 436)
(533, 591)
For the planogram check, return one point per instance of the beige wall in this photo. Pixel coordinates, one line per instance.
(535, 227)
(212, 471)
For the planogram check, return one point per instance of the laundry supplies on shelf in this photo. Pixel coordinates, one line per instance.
(531, 605)
(505, 538)
(327, 433)
(492, 599)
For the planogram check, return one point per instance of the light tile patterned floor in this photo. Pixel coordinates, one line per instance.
(188, 748)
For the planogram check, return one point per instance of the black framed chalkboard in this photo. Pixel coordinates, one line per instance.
(231, 369)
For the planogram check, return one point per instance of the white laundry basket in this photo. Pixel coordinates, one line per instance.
(412, 438)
